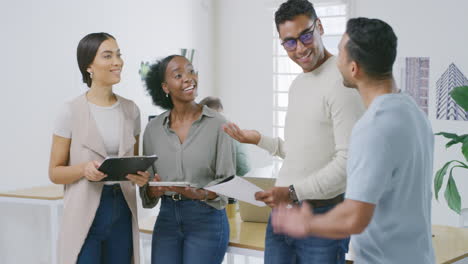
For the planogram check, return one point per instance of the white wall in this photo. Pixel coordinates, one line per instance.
(39, 69)
(435, 29)
(244, 63)
(39, 73)
(424, 28)
(234, 45)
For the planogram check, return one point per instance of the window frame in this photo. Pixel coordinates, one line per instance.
(278, 125)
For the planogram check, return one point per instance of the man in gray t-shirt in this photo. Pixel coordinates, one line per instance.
(388, 194)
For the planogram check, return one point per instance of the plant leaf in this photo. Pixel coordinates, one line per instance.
(465, 148)
(439, 178)
(462, 165)
(451, 143)
(460, 95)
(451, 194)
(447, 135)
(459, 139)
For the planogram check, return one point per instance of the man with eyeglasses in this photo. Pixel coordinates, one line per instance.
(388, 196)
(321, 114)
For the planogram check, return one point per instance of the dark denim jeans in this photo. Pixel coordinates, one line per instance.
(281, 249)
(189, 232)
(109, 239)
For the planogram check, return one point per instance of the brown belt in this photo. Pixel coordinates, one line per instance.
(322, 203)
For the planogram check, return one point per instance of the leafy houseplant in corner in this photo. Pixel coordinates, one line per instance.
(452, 196)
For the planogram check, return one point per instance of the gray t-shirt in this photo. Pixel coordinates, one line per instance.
(206, 157)
(108, 121)
(390, 165)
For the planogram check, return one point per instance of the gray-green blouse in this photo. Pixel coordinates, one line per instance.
(206, 157)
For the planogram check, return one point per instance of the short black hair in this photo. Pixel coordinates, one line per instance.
(212, 102)
(373, 45)
(292, 8)
(86, 52)
(154, 80)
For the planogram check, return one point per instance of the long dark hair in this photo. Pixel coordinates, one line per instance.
(86, 52)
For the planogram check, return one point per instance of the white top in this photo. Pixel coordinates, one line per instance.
(108, 121)
(390, 165)
(321, 114)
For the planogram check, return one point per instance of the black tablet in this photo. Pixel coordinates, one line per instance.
(118, 168)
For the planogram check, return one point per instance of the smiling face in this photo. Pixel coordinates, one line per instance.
(181, 80)
(306, 56)
(107, 64)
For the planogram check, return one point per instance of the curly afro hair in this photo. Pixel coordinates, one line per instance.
(155, 78)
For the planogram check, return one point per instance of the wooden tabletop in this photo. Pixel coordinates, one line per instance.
(247, 235)
(50, 192)
(450, 243)
(243, 234)
(146, 225)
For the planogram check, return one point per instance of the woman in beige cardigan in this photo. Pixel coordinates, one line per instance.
(99, 222)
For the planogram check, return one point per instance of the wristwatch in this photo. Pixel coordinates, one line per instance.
(292, 194)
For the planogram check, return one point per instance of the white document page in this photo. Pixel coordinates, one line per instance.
(239, 189)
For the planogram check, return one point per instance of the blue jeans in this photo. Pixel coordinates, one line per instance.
(282, 249)
(109, 239)
(189, 232)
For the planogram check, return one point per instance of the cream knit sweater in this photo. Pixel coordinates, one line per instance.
(321, 114)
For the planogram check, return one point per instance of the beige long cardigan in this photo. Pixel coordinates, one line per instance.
(81, 198)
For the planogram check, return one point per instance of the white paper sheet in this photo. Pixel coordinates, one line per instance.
(239, 189)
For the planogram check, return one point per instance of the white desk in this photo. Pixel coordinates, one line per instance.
(50, 196)
(246, 238)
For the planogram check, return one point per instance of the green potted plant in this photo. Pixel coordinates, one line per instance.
(452, 196)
